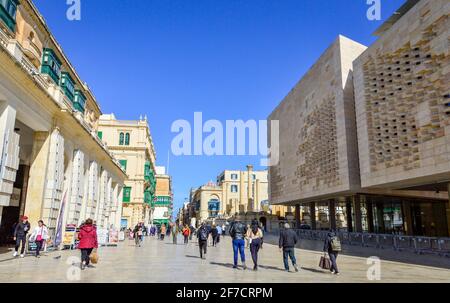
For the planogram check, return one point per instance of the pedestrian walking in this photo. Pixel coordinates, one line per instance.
(20, 235)
(224, 231)
(39, 236)
(255, 238)
(288, 240)
(332, 246)
(186, 234)
(163, 231)
(219, 233)
(202, 235)
(247, 243)
(175, 234)
(88, 242)
(237, 232)
(214, 235)
(139, 234)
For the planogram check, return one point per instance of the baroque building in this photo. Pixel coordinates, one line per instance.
(130, 141)
(163, 203)
(53, 166)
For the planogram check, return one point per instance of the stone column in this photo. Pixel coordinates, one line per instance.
(297, 216)
(407, 218)
(242, 200)
(357, 211)
(448, 210)
(348, 209)
(369, 207)
(223, 203)
(250, 197)
(38, 176)
(256, 202)
(332, 213)
(312, 214)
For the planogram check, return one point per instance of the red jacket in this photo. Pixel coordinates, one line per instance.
(87, 237)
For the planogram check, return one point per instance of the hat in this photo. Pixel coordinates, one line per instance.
(24, 218)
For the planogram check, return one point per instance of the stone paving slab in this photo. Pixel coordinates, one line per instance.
(159, 261)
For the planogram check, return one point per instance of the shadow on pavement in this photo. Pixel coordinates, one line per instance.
(228, 265)
(271, 267)
(196, 257)
(314, 270)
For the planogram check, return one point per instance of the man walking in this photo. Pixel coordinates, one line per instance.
(332, 245)
(287, 242)
(202, 235)
(20, 235)
(237, 232)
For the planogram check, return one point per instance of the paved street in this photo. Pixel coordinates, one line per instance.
(159, 261)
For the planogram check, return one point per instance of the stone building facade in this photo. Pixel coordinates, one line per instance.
(53, 166)
(163, 204)
(130, 141)
(376, 158)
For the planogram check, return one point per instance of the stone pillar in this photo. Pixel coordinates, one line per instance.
(242, 200)
(223, 203)
(370, 226)
(332, 213)
(348, 209)
(9, 152)
(250, 206)
(38, 176)
(256, 202)
(407, 218)
(448, 210)
(357, 212)
(312, 214)
(297, 216)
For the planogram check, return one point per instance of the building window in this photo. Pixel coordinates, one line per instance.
(234, 188)
(123, 163)
(234, 176)
(51, 65)
(8, 9)
(79, 101)
(213, 208)
(121, 138)
(254, 177)
(126, 194)
(100, 135)
(67, 84)
(127, 139)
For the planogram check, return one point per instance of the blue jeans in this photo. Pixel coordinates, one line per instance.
(289, 253)
(238, 246)
(333, 258)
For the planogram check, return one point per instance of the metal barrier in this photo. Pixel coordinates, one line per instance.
(419, 245)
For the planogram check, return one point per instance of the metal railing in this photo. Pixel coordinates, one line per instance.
(416, 244)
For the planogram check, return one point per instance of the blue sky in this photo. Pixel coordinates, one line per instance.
(233, 59)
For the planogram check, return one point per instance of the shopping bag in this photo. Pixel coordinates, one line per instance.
(94, 257)
(325, 262)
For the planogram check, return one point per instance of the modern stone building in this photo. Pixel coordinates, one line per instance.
(163, 203)
(131, 143)
(234, 193)
(52, 164)
(368, 148)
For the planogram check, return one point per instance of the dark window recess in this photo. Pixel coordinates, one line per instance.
(428, 56)
(447, 104)
(409, 83)
(418, 63)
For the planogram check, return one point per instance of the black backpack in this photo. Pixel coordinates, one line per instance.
(203, 234)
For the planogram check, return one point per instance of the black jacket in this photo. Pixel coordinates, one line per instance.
(238, 231)
(21, 229)
(288, 239)
(202, 233)
(214, 232)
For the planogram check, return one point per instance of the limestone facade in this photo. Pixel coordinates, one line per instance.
(53, 166)
(131, 144)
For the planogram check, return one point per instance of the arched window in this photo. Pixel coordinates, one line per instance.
(121, 138)
(127, 139)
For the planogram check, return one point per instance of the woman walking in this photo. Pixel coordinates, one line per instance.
(186, 233)
(255, 238)
(39, 236)
(215, 235)
(88, 242)
(163, 231)
(332, 245)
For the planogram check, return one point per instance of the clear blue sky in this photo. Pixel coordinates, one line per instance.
(230, 59)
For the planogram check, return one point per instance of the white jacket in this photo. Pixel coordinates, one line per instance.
(43, 231)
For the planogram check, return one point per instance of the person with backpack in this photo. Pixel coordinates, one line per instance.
(238, 232)
(192, 232)
(202, 235)
(215, 235)
(333, 246)
(20, 235)
(186, 234)
(163, 232)
(288, 240)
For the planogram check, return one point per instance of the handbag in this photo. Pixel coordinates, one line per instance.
(94, 257)
(325, 262)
